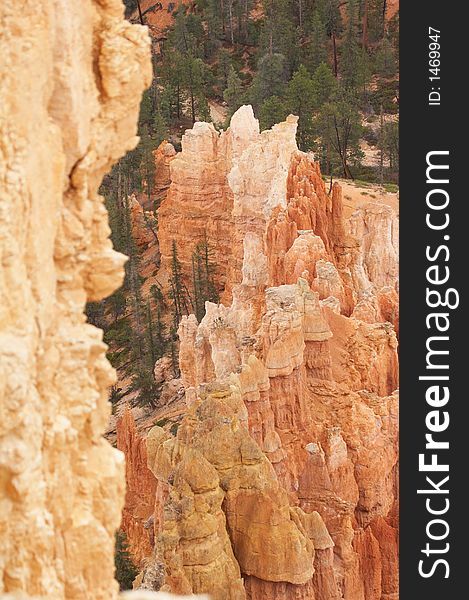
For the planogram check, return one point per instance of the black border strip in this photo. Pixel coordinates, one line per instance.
(425, 128)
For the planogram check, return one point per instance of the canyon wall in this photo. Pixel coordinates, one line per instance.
(281, 481)
(72, 75)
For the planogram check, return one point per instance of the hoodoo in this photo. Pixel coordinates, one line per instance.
(280, 480)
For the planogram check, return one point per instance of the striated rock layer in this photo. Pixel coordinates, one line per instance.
(281, 481)
(137, 519)
(71, 80)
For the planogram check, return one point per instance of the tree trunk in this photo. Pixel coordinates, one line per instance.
(140, 16)
(150, 335)
(192, 105)
(230, 10)
(385, 5)
(334, 47)
(178, 101)
(365, 26)
(246, 19)
(222, 9)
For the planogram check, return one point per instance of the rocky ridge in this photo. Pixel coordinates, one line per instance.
(71, 80)
(281, 479)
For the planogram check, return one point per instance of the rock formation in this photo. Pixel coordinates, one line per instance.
(280, 482)
(70, 86)
(164, 154)
(137, 516)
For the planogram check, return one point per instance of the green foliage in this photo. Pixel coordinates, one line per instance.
(297, 56)
(225, 64)
(278, 32)
(385, 59)
(370, 136)
(126, 571)
(350, 49)
(315, 51)
(338, 126)
(233, 95)
(160, 128)
(147, 161)
(385, 97)
(95, 313)
(331, 17)
(301, 101)
(376, 26)
(389, 144)
(325, 84)
(174, 428)
(130, 7)
(203, 278)
(270, 79)
(117, 336)
(147, 391)
(178, 289)
(273, 110)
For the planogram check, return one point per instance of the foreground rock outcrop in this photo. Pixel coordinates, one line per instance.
(71, 80)
(281, 481)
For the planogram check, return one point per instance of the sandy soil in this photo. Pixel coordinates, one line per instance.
(358, 194)
(218, 112)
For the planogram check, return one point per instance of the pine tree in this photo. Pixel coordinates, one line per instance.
(324, 84)
(178, 290)
(388, 143)
(143, 383)
(116, 303)
(195, 83)
(385, 60)
(224, 67)
(301, 98)
(270, 79)
(150, 336)
(213, 13)
(333, 23)
(350, 49)
(364, 73)
(147, 165)
(272, 111)
(160, 129)
(95, 314)
(278, 34)
(376, 19)
(339, 128)
(203, 278)
(315, 52)
(174, 75)
(125, 568)
(160, 335)
(233, 95)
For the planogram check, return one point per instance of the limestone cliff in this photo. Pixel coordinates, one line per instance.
(71, 79)
(280, 482)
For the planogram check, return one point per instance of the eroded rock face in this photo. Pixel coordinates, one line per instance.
(227, 512)
(223, 188)
(137, 516)
(289, 447)
(164, 154)
(71, 82)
